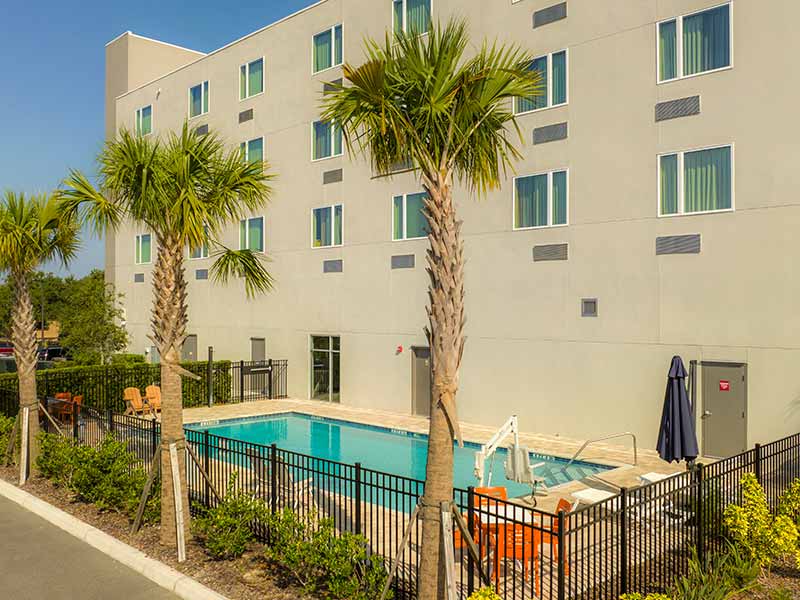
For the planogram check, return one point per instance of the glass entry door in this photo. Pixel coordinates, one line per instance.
(325, 352)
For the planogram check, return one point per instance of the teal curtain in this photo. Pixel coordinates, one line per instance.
(667, 51)
(417, 222)
(337, 224)
(255, 150)
(706, 40)
(322, 140)
(256, 234)
(528, 104)
(531, 208)
(243, 234)
(337, 139)
(322, 226)
(243, 82)
(560, 77)
(147, 120)
(143, 250)
(337, 45)
(196, 101)
(256, 77)
(669, 184)
(397, 12)
(398, 227)
(205, 97)
(322, 50)
(707, 180)
(560, 198)
(418, 17)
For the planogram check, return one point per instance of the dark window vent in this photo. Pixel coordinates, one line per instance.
(550, 133)
(551, 252)
(246, 115)
(201, 274)
(201, 130)
(673, 109)
(589, 307)
(403, 261)
(332, 266)
(550, 14)
(678, 244)
(138, 277)
(332, 176)
(332, 86)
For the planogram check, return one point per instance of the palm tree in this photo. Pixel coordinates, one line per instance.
(185, 190)
(422, 100)
(33, 231)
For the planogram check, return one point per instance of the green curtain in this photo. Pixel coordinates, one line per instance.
(322, 140)
(667, 51)
(205, 97)
(528, 104)
(531, 208)
(337, 45)
(417, 222)
(418, 18)
(322, 226)
(256, 234)
(143, 253)
(337, 139)
(560, 77)
(560, 198)
(243, 234)
(196, 101)
(243, 82)
(322, 50)
(256, 77)
(337, 225)
(147, 120)
(397, 8)
(706, 40)
(669, 184)
(398, 227)
(707, 180)
(255, 150)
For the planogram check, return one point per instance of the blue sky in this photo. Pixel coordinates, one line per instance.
(52, 61)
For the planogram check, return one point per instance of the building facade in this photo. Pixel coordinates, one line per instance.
(654, 213)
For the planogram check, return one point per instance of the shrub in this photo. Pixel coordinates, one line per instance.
(789, 502)
(488, 593)
(717, 577)
(638, 596)
(6, 425)
(127, 359)
(227, 529)
(322, 562)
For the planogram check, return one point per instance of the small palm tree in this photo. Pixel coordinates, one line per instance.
(33, 231)
(423, 100)
(185, 189)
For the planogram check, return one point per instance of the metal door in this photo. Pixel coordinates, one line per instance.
(724, 409)
(258, 349)
(421, 381)
(189, 350)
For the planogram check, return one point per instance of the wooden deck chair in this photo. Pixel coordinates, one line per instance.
(134, 403)
(68, 410)
(153, 398)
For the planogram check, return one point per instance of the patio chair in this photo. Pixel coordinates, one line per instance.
(291, 494)
(499, 492)
(134, 403)
(153, 398)
(518, 543)
(551, 537)
(66, 410)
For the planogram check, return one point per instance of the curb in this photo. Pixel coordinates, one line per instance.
(162, 575)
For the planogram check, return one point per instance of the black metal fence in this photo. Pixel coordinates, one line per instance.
(257, 380)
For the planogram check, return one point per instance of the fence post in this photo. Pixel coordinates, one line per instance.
(75, 415)
(358, 498)
(758, 463)
(273, 476)
(562, 581)
(241, 381)
(46, 388)
(153, 435)
(206, 460)
(269, 378)
(210, 376)
(701, 516)
(110, 417)
(470, 527)
(623, 549)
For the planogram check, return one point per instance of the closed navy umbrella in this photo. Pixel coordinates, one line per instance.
(677, 439)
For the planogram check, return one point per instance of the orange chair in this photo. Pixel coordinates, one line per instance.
(68, 410)
(499, 492)
(551, 538)
(134, 403)
(519, 543)
(153, 398)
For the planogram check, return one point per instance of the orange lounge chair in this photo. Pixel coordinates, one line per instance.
(153, 398)
(519, 543)
(68, 410)
(134, 403)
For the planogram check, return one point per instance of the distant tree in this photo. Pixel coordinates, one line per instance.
(90, 321)
(55, 289)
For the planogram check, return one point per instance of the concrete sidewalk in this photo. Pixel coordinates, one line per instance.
(39, 561)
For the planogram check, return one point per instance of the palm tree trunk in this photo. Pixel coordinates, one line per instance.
(169, 327)
(445, 260)
(23, 334)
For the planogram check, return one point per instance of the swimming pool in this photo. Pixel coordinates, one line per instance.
(383, 449)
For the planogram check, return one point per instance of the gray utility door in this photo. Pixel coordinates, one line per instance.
(189, 350)
(421, 381)
(258, 349)
(724, 409)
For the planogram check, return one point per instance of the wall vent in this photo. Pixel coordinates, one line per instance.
(332, 266)
(201, 129)
(673, 109)
(550, 14)
(201, 274)
(246, 115)
(678, 244)
(550, 133)
(138, 278)
(332, 176)
(403, 261)
(551, 252)
(589, 307)
(328, 87)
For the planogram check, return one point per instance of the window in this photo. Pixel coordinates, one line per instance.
(253, 150)
(202, 251)
(408, 219)
(696, 181)
(327, 140)
(143, 249)
(411, 16)
(327, 226)
(694, 44)
(540, 200)
(328, 49)
(553, 71)
(325, 362)
(198, 100)
(251, 79)
(144, 120)
(251, 234)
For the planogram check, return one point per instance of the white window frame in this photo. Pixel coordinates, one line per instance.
(247, 233)
(137, 251)
(330, 352)
(313, 145)
(405, 16)
(679, 43)
(550, 224)
(247, 147)
(202, 85)
(549, 90)
(681, 191)
(333, 221)
(405, 218)
(334, 64)
(137, 117)
(204, 250)
(246, 65)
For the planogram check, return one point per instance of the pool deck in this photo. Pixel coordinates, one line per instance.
(618, 455)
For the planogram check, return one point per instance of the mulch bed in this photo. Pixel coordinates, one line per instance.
(783, 581)
(250, 577)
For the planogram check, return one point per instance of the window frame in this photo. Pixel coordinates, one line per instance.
(682, 192)
(334, 64)
(549, 91)
(404, 25)
(204, 249)
(313, 144)
(136, 116)
(246, 144)
(405, 237)
(247, 64)
(247, 234)
(333, 221)
(137, 249)
(679, 43)
(204, 96)
(550, 224)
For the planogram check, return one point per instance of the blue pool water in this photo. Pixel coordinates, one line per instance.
(382, 449)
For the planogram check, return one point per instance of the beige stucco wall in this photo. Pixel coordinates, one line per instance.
(529, 351)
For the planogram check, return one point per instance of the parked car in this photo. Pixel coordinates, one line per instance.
(8, 364)
(6, 349)
(54, 353)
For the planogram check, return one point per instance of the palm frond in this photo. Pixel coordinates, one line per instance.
(243, 264)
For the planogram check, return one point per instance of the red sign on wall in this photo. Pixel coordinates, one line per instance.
(724, 386)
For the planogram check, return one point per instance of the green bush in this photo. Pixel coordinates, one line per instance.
(488, 593)
(789, 502)
(226, 530)
(6, 425)
(127, 359)
(716, 578)
(638, 596)
(322, 562)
